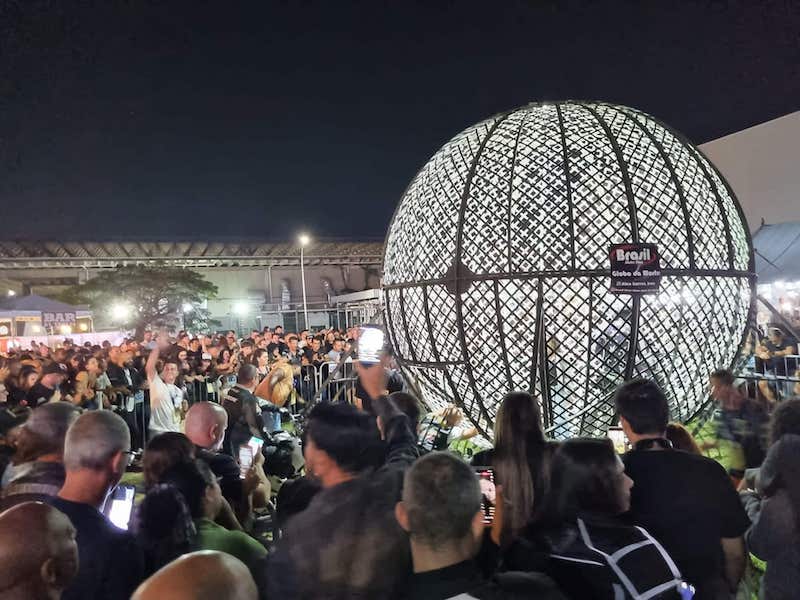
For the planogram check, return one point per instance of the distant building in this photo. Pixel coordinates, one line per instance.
(259, 283)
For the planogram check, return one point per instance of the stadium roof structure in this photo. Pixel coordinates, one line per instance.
(94, 255)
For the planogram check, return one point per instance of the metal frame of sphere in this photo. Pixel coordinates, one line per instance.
(496, 274)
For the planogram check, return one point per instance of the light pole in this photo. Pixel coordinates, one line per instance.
(304, 239)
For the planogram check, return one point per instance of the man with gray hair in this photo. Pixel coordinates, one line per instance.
(38, 471)
(96, 454)
(441, 511)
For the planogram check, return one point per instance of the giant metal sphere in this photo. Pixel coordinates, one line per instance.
(496, 271)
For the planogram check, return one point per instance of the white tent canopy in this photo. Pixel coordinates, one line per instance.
(762, 165)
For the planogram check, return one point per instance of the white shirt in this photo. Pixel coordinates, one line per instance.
(165, 398)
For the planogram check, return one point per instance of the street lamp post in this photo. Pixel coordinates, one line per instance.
(304, 239)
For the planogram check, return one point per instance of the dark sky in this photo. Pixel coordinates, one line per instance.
(201, 120)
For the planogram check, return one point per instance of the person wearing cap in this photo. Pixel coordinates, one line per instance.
(47, 388)
(38, 471)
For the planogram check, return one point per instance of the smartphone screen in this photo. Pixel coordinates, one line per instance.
(370, 344)
(120, 506)
(255, 444)
(617, 437)
(245, 460)
(488, 494)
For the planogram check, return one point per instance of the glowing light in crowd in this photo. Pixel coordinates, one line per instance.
(121, 312)
(497, 272)
(83, 327)
(241, 309)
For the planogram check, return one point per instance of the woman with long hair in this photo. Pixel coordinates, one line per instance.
(580, 540)
(520, 459)
(260, 361)
(774, 535)
(19, 386)
(85, 382)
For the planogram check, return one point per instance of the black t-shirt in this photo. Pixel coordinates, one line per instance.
(688, 503)
(394, 383)
(39, 394)
(226, 468)
(111, 562)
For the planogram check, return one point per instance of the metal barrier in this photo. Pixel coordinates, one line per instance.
(777, 378)
(327, 382)
(199, 390)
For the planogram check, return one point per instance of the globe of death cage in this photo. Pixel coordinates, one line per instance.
(564, 248)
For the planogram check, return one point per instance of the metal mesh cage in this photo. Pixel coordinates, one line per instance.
(496, 273)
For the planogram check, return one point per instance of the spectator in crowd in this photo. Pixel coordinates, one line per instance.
(244, 413)
(686, 501)
(39, 469)
(203, 575)
(85, 382)
(10, 422)
(293, 354)
(96, 453)
(126, 385)
(38, 553)
(261, 363)
(335, 353)
(189, 490)
(441, 511)
(206, 423)
(771, 356)
(590, 552)
(312, 352)
(374, 381)
(681, 439)
(408, 405)
(47, 388)
(774, 535)
(521, 460)
(742, 421)
(165, 397)
(224, 364)
(163, 452)
(19, 386)
(348, 543)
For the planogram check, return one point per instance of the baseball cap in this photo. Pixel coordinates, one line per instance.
(55, 367)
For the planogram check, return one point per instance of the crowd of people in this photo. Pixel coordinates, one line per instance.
(366, 507)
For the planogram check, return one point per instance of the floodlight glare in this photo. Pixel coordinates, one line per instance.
(120, 312)
(304, 239)
(497, 268)
(241, 308)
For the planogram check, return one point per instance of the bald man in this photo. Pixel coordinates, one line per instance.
(38, 552)
(205, 575)
(205, 426)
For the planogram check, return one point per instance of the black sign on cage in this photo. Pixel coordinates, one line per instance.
(496, 266)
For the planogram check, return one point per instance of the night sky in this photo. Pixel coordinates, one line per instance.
(211, 120)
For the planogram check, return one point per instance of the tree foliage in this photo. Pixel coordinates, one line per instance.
(154, 294)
